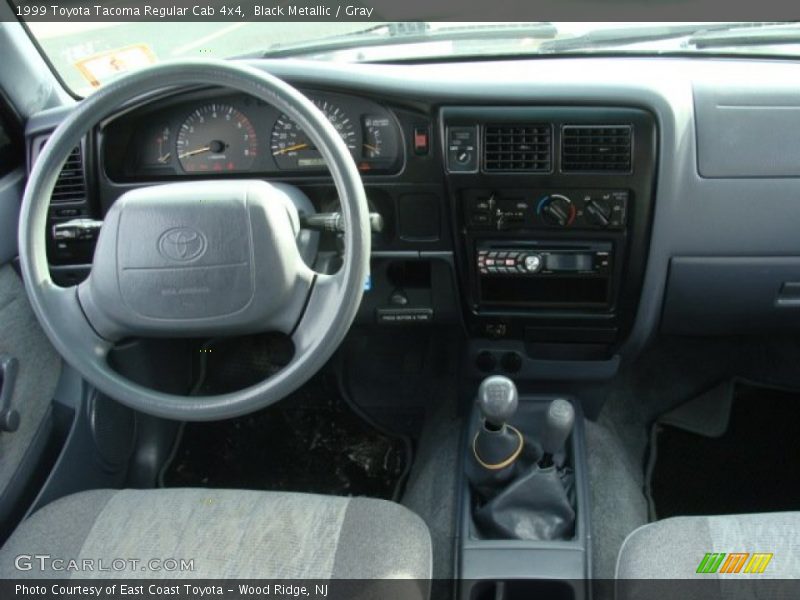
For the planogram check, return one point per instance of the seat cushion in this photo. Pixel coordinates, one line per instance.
(227, 533)
(675, 548)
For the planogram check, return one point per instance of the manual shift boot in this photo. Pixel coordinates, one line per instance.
(537, 505)
(523, 491)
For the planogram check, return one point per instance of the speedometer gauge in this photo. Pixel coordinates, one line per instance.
(217, 137)
(293, 149)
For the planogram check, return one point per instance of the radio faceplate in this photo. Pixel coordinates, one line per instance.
(594, 261)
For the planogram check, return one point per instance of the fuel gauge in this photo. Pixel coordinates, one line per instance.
(155, 147)
(162, 145)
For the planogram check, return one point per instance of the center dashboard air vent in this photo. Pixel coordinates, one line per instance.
(593, 148)
(515, 148)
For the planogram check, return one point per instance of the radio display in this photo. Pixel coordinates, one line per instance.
(569, 262)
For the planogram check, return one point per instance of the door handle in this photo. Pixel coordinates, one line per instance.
(9, 417)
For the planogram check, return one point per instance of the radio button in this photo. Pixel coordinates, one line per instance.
(533, 263)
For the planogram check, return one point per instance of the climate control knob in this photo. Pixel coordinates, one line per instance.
(598, 212)
(556, 210)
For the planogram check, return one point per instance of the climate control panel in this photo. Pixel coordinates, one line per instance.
(545, 209)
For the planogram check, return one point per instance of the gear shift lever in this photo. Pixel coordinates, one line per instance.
(497, 444)
(497, 401)
(558, 425)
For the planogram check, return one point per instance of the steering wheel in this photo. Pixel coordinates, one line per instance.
(197, 259)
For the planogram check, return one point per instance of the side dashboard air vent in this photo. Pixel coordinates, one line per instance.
(587, 148)
(71, 183)
(516, 148)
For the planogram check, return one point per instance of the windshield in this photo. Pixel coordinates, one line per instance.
(88, 54)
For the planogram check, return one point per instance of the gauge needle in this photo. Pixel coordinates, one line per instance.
(195, 151)
(165, 158)
(290, 149)
(371, 147)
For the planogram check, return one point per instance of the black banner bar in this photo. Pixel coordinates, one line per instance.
(405, 10)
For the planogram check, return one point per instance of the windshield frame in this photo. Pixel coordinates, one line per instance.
(334, 53)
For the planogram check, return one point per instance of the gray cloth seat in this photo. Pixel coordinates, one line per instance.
(226, 533)
(661, 560)
(674, 548)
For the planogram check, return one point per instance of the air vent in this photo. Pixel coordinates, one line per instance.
(596, 148)
(517, 148)
(71, 183)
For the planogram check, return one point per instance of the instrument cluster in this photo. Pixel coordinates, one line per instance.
(231, 134)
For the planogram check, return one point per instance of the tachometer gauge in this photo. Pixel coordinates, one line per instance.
(293, 149)
(217, 137)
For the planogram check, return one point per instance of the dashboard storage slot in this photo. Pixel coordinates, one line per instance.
(564, 291)
(418, 217)
(409, 289)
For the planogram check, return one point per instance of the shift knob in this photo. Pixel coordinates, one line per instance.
(497, 400)
(558, 425)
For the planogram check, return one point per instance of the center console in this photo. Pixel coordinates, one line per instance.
(552, 208)
(524, 518)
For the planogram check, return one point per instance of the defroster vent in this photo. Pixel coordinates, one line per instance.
(596, 148)
(517, 148)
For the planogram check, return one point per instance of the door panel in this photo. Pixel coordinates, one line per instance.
(37, 366)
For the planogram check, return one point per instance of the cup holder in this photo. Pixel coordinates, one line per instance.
(487, 361)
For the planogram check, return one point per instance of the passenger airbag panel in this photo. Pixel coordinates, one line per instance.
(747, 132)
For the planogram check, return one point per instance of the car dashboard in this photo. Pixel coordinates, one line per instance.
(559, 210)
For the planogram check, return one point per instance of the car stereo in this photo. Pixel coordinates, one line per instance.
(545, 273)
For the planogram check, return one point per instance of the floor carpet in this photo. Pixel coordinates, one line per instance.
(751, 467)
(312, 441)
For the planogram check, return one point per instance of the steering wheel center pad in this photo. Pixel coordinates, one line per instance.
(197, 259)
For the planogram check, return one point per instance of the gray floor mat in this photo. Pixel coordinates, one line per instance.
(39, 370)
(618, 503)
(431, 488)
(707, 414)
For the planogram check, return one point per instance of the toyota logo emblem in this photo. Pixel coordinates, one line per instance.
(182, 244)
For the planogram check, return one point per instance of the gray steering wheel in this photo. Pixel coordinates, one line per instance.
(197, 259)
